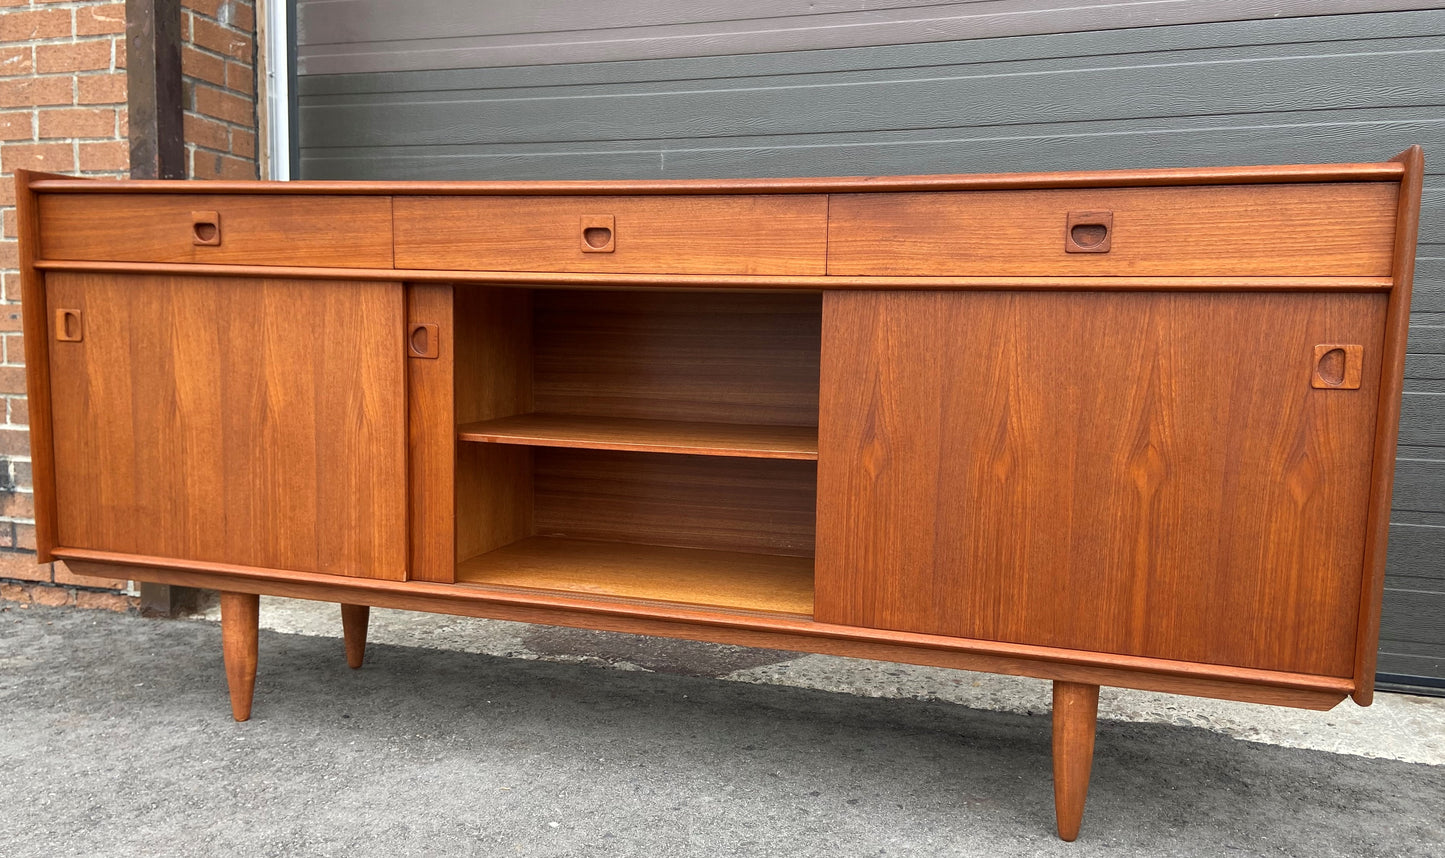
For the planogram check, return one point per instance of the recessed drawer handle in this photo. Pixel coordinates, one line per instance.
(1338, 366)
(68, 328)
(598, 234)
(206, 228)
(421, 340)
(1089, 232)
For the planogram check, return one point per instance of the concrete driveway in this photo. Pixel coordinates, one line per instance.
(467, 737)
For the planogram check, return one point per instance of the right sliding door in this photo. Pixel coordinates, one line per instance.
(1167, 474)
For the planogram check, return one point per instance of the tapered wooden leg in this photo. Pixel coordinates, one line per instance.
(353, 628)
(240, 617)
(1076, 713)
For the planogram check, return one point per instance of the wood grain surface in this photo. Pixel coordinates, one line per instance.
(1127, 473)
(763, 506)
(431, 444)
(677, 235)
(1339, 229)
(774, 631)
(345, 232)
(717, 357)
(656, 436)
(240, 625)
(247, 421)
(724, 579)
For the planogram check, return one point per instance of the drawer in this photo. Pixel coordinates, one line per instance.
(1235, 230)
(249, 229)
(722, 234)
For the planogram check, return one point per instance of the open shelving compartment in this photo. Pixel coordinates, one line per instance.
(644, 445)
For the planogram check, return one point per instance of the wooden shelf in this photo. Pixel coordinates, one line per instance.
(723, 579)
(651, 436)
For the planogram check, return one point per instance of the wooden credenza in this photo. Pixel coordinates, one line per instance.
(1130, 428)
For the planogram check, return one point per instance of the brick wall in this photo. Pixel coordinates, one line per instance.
(218, 62)
(63, 109)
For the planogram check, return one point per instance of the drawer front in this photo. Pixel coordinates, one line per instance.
(315, 231)
(1239, 230)
(723, 234)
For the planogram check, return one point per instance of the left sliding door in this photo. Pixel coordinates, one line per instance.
(231, 420)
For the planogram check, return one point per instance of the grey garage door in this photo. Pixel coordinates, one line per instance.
(545, 89)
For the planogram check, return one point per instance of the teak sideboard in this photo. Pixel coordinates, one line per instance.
(1132, 429)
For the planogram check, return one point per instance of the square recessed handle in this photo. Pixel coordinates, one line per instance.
(598, 234)
(68, 327)
(1338, 366)
(1089, 232)
(206, 229)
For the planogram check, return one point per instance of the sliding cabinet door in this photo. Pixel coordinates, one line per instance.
(1155, 474)
(231, 420)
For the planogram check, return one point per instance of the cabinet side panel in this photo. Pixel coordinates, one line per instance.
(431, 431)
(256, 422)
(1146, 474)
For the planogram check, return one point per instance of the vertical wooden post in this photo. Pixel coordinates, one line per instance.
(353, 627)
(153, 93)
(1076, 714)
(240, 622)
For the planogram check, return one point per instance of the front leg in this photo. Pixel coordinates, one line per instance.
(240, 623)
(1076, 714)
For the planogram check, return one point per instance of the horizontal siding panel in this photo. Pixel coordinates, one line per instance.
(1417, 552)
(1410, 73)
(1430, 667)
(1413, 616)
(1221, 140)
(1420, 486)
(350, 36)
(1422, 419)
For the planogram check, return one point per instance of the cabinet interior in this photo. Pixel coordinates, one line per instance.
(643, 445)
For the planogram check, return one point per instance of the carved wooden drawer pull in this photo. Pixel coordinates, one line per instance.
(598, 234)
(1337, 366)
(206, 229)
(1089, 232)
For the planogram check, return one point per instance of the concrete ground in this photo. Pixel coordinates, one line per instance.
(469, 737)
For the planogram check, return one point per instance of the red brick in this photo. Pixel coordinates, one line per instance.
(222, 40)
(243, 144)
(56, 597)
(32, 91)
(113, 155)
(25, 537)
(209, 165)
(55, 157)
(7, 191)
(118, 602)
(19, 411)
(36, 24)
(106, 88)
(77, 122)
(91, 55)
(203, 66)
(17, 125)
(224, 105)
(241, 78)
(17, 504)
(9, 258)
(16, 59)
(15, 346)
(97, 20)
(206, 132)
(243, 17)
(21, 566)
(64, 575)
(9, 220)
(11, 318)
